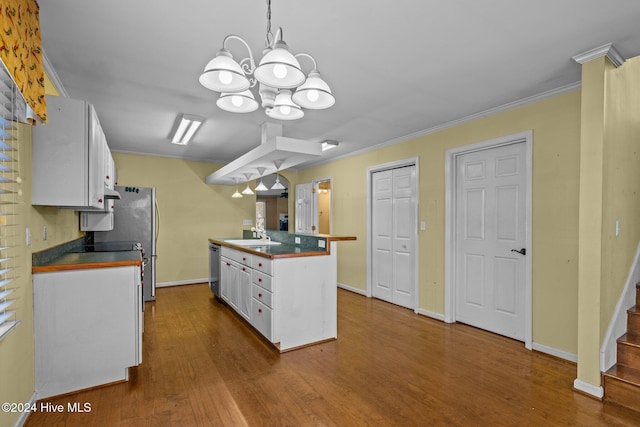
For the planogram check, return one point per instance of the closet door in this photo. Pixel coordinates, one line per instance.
(394, 235)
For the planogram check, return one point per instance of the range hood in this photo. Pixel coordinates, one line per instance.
(111, 194)
(274, 149)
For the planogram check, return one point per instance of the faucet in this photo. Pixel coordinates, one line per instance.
(260, 233)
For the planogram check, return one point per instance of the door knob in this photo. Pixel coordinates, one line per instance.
(522, 251)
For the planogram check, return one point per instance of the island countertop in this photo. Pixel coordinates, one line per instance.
(285, 249)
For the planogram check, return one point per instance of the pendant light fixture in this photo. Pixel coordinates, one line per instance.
(237, 194)
(278, 185)
(261, 186)
(278, 73)
(247, 190)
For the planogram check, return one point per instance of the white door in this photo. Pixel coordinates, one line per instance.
(490, 206)
(394, 235)
(304, 208)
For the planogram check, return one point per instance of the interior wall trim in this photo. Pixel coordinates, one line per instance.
(607, 50)
(51, 72)
(499, 109)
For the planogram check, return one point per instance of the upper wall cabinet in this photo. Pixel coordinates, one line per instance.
(71, 159)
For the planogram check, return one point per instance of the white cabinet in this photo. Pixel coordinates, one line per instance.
(235, 280)
(98, 221)
(87, 327)
(244, 292)
(291, 301)
(69, 168)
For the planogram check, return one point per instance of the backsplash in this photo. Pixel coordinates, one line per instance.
(306, 241)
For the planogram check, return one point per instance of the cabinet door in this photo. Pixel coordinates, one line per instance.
(97, 147)
(244, 292)
(225, 271)
(229, 282)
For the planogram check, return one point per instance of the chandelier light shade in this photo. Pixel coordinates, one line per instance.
(279, 68)
(223, 74)
(284, 108)
(240, 102)
(314, 93)
(278, 72)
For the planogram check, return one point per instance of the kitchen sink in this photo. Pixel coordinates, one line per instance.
(252, 242)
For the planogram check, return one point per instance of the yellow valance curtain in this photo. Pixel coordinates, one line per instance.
(21, 51)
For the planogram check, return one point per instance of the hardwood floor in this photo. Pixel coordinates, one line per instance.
(202, 366)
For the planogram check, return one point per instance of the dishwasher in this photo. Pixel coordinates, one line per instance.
(214, 269)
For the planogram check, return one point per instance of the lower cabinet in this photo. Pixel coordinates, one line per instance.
(235, 282)
(292, 301)
(87, 327)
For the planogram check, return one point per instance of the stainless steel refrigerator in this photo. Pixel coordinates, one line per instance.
(136, 220)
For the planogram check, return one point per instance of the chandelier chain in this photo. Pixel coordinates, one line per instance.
(269, 36)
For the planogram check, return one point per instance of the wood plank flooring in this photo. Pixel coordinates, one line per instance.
(202, 366)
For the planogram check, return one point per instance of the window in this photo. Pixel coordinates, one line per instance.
(11, 235)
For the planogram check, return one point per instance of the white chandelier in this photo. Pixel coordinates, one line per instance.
(278, 73)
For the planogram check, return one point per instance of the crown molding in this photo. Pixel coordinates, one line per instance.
(51, 72)
(607, 50)
(489, 112)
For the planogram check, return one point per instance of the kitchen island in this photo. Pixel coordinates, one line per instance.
(87, 318)
(286, 291)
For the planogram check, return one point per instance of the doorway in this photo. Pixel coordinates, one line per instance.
(392, 273)
(313, 207)
(488, 235)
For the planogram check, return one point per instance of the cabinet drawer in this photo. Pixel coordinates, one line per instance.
(262, 295)
(261, 319)
(263, 264)
(237, 256)
(263, 280)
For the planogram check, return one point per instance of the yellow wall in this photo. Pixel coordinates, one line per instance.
(610, 192)
(621, 189)
(556, 136)
(190, 211)
(16, 350)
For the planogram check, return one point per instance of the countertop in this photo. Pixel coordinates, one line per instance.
(86, 260)
(284, 250)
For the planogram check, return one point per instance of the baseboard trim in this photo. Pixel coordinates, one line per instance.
(352, 289)
(181, 282)
(22, 419)
(555, 352)
(586, 388)
(430, 314)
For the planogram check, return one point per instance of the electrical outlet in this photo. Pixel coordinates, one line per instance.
(247, 222)
(44, 232)
(28, 236)
(322, 243)
(297, 240)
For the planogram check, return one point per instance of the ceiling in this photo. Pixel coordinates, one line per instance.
(396, 68)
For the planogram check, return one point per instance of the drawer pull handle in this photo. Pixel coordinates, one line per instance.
(259, 310)
(259, 264)
(244, 269)
(244, 259)
(260, 280)
(228, 264)
(259, 295)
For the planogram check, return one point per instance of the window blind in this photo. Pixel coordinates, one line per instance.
(10, 230)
